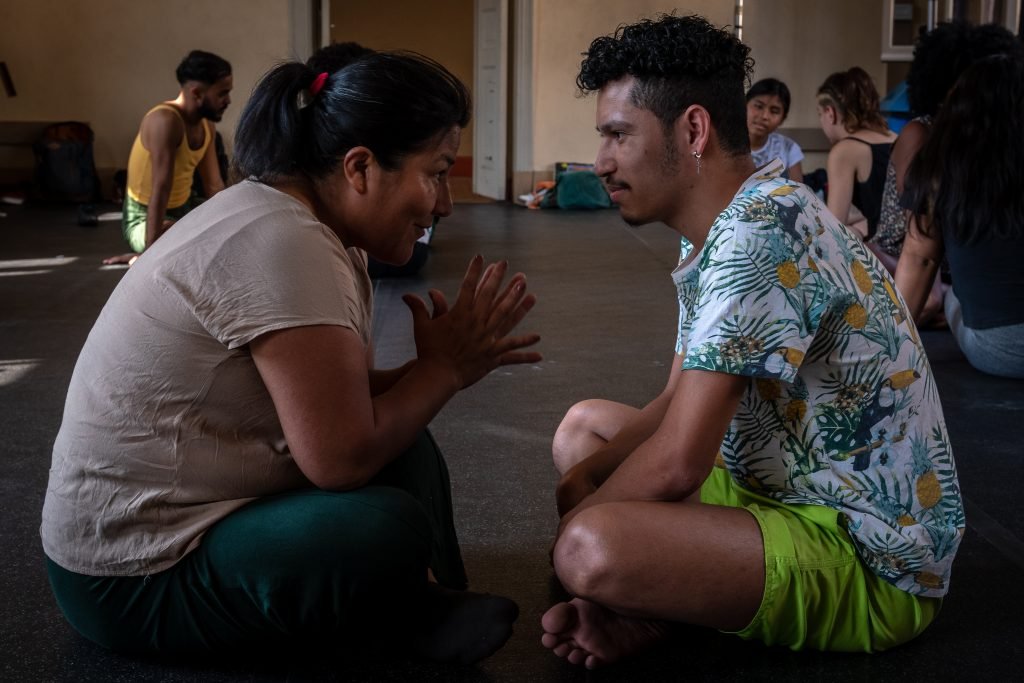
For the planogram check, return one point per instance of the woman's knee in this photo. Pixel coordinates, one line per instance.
(318, 525)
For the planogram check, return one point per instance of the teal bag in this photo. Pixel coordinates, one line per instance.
(577, 190)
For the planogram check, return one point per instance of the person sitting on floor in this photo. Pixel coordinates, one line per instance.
(966, 193)
(767, 108)
(798, 448)
(175, 139)
(231, 471)
(851, 118)
(940, 56)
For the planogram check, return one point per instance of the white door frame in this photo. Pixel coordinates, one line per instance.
(522, 87)
(519, 122)
(307, 19)
(490, 92)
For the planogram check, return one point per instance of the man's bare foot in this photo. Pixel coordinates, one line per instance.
(128, 258)
(587, 633)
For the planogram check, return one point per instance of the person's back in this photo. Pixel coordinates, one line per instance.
(840, 390)
(940, 57)
(967, 196)
(798, 447)
(849, 113)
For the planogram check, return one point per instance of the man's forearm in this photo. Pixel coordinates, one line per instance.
(606, 459)
(156, 212)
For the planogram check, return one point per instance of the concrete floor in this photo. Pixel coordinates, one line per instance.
(607, 315)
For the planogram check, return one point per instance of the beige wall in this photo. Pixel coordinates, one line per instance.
(108, 61)
(441, 30)
(801, 43)
(797, 41)
(563, 123)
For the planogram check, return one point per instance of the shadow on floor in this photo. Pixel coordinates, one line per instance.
(607, 315)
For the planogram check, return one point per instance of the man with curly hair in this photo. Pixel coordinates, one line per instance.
(793, 483)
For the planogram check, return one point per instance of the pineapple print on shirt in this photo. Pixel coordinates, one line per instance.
(842, 409)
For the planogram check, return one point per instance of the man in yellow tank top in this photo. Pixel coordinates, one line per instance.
(175, 138)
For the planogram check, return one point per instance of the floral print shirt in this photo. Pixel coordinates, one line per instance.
(842, 408)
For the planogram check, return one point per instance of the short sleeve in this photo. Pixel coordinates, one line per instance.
(283, 270)
(794, 155)
(753, 305)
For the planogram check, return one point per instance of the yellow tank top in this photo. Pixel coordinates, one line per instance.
(140, 166)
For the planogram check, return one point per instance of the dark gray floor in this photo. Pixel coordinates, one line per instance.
(607, 316)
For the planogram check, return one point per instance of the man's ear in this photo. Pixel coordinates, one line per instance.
(358, 164)
(693, 128)
(196, 91)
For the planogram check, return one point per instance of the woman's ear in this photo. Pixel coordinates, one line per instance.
(357, 165)
(832, 114)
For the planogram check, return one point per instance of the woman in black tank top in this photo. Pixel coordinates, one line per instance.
(848, 109)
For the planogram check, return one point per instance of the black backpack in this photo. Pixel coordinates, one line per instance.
(65, 170)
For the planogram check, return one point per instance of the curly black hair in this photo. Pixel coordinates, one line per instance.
(202, 67)
(967, 177)
(677, 62)
(942, 54)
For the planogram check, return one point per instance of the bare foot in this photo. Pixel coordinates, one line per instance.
(128, 258)
(587, 633)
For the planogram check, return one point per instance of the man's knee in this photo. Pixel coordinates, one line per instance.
(586, 557)
(574, 435)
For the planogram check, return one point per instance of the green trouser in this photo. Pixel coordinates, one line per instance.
(133, 220)
(299, 568)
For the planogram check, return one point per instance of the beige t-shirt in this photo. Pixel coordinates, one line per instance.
(168, 426)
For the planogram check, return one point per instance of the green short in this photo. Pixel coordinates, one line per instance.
(818, 594)
(133, 221)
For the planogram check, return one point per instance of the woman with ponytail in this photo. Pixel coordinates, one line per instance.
(232, 472)
(850, 116)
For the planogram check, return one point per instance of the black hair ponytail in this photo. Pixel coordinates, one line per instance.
(271, 132)
(394, 104)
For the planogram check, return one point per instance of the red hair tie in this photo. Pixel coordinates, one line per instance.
(318, 84)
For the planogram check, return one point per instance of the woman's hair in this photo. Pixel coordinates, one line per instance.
(393, 103)
(771, 86)
(942, 54)
(968, 178)
(852, 93)
(336, 56)
(677, 62)
(203, 67)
